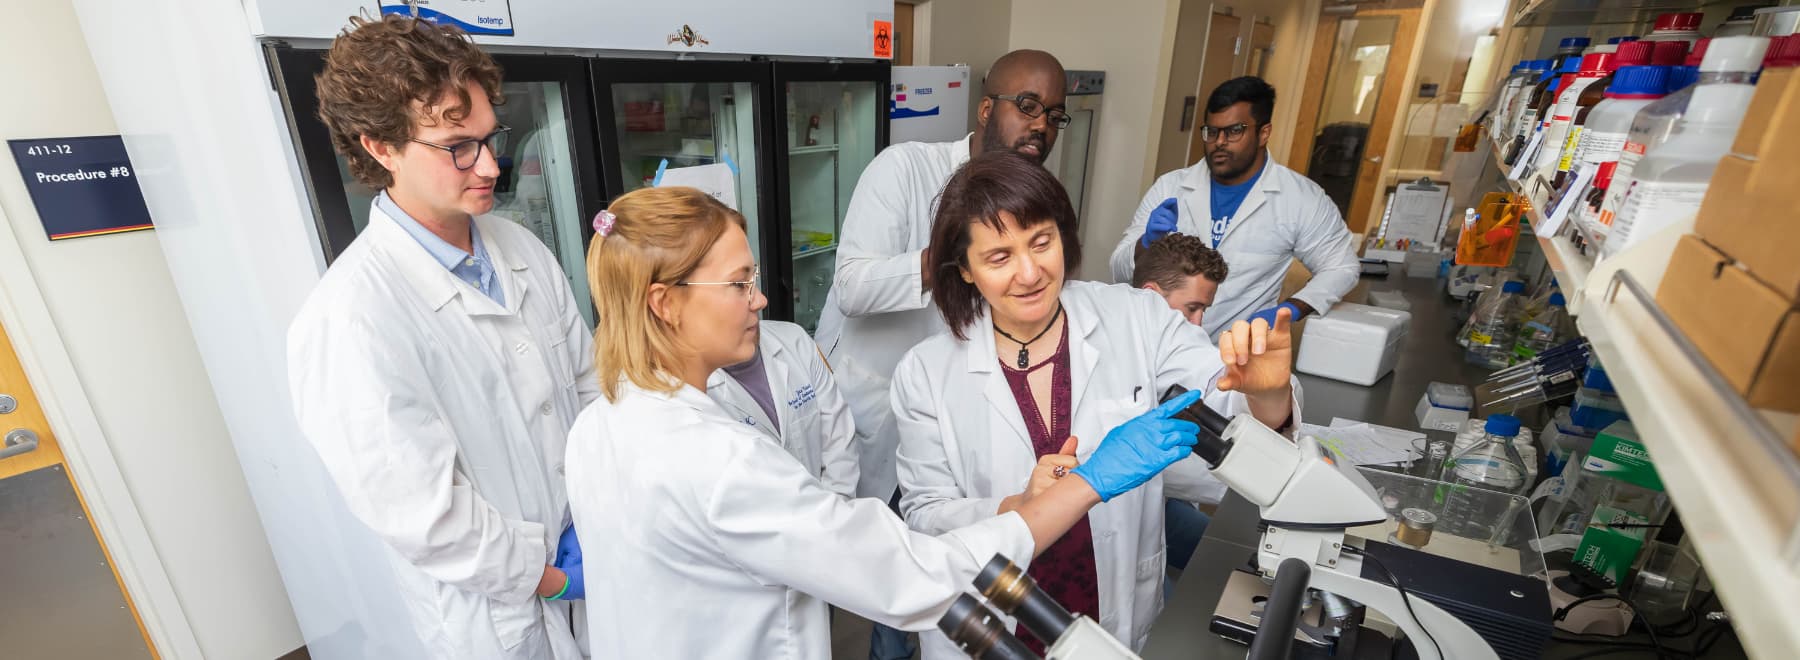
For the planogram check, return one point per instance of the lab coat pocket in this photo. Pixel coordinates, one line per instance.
(513, 622)
(1110, 414)
(1146, 597)
(803, 437)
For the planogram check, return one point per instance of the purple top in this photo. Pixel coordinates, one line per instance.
(755, 379)
(1066, 570)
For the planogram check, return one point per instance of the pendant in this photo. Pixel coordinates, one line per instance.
(1024, 358)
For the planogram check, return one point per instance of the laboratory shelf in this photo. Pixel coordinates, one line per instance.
(810, 252)
(815, 149)
(1727, 467)
(1540, 13)
(1724, 464)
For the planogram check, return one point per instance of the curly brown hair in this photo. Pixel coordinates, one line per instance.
(375, 71)
(1172, 259)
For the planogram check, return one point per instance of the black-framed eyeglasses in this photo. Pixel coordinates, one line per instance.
(1232, 133)
(748, 287)
(1033, 108)
(464, 154)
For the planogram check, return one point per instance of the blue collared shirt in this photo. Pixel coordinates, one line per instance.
(476, 269)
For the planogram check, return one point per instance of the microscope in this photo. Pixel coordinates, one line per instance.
(1445, 608)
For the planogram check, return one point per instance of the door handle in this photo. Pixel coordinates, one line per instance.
(1374, 159)
(19, 441)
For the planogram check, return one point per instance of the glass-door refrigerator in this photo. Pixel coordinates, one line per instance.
(549, 180)
(833, 122)
(660, 115)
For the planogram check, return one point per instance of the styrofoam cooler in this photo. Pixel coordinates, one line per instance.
(1353, 343)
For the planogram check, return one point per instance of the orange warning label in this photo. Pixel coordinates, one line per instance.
(884, 39)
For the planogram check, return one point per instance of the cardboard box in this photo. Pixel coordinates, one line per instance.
(1750, 332)
(1753, 223)
(1773, 115)
(1777, 141)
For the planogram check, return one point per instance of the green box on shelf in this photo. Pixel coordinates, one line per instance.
(1629, 504)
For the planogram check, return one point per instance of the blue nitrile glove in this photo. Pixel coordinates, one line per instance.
(1269, 314)
(1162, 221)
(1139, 449)
(568, 558)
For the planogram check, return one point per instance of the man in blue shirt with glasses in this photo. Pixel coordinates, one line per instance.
(1257, 213)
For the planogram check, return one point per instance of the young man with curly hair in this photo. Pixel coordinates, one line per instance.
(440, 362)
(1184, 271)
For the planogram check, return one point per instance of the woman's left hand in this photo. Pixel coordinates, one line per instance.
(1259, 360)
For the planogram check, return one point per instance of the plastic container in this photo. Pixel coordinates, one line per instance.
(1353, 343)
(1544, 330)
(1568, 97)
(1665, 583)
(1668, 185)
(1655, 123)
(1741, 23)
(1565, 441)
(1493, 327)
(1494, 463)
(1444, 407)
(1608, 125)
(1390, 300)
(1683, 26)
(1508, 85)
(1596, 409)
(1629, 54)
(1506, 110)
(1537, 109)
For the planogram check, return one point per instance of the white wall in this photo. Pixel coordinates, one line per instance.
(972, 32)
(1127, 40)
(113, 308)
(1186, 59)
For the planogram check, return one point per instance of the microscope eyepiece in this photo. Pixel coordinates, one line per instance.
(1212, 445)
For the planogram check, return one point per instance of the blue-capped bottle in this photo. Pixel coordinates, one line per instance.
(1492, 464)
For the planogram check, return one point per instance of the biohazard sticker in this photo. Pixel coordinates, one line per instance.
(884, 39)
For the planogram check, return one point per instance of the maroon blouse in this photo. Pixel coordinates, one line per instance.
(1066, 570)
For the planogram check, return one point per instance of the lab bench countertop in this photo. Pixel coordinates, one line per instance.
(1429, 353)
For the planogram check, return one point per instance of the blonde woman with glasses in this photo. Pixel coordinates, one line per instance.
(708, 539)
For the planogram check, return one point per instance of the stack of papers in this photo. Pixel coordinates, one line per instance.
(1360, 443)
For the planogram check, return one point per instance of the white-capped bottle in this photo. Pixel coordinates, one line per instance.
(1668, 185)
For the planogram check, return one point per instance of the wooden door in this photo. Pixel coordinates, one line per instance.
(1358, 68)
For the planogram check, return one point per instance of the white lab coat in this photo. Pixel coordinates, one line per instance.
(877, 308)
(1286, 216)
(815, 422)
(964, 445)
(442, 416)
(716, 543)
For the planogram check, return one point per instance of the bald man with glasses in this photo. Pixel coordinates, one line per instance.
(879, 305)
(1257, 213)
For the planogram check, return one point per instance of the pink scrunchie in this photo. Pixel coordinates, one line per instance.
(604, 221)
